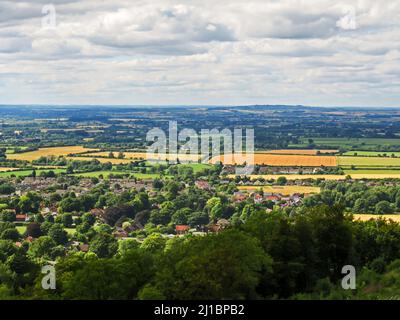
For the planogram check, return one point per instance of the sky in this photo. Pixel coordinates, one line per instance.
(205, 52)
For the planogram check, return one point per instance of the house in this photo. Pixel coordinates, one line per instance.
(273, 198)
(29, 239)
(201, 184)
(239, 197)
(258, 198)
(181, 229)
(220, 225)
(97, 212)
(120, 233)
(21, 217)
(83, 247)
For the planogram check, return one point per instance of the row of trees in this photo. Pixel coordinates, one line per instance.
(270, 256)
(357, 197)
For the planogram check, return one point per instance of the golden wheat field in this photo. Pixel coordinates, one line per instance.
(367, 217)
(146, 156)
(279, 160)
(284, 190)
(44, 152)
(101, 160)
(4, 169)
(299, 152)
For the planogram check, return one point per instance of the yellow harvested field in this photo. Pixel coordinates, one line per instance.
(101, 160)
(367, 217)
(4, 169)
(322, 176)
(279, 160)
(44, 152)
(300, 152)
(284, 190)
(359, 176)
(145, 156)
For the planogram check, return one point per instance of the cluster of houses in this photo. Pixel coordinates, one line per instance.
(264, 169)
(84, 185)
(276, 198)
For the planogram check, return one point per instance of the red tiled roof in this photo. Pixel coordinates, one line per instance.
(181, 228)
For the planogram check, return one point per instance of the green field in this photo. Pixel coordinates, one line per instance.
(106, 174)
(22, 229)
(197, 167)
(371, 153)
(371, 171)
(24, 173)
(372, 144)
(369, 161)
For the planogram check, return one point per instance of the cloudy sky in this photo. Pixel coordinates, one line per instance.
(215, 52)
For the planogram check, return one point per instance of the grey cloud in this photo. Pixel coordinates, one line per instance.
(167, 51)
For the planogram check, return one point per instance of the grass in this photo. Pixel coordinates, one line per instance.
(325, 176)
(22, 229)
(372, 171)
(311, 152)
(197, 167)
(24, 173)
(364, 143)
(284, 190)
(368, 161)
(371, 153)
(70, 231)
(106, 174)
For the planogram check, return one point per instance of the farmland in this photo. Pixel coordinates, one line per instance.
(3, 169)
(367, 217)
(371, 153)
(45, 152)
(281, 160)
(144, 155)
(106, 174)
(372, 144)
(310, 152)
(25, 173)
(324, 176)
(284, 190)
(369, 161)
(101, 160)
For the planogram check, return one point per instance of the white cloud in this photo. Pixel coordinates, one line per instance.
(191, 52)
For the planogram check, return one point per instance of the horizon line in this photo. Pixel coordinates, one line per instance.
(194, 106)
